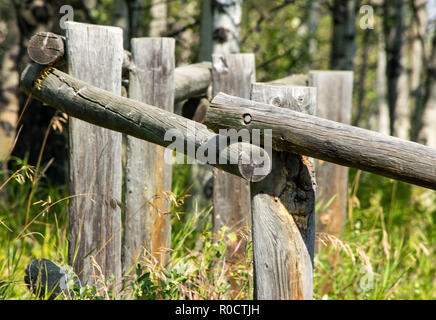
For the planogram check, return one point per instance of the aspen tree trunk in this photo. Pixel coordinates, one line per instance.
(393, 22)
(226, 25)
(419, 23)
(136, 8)
(361, 83)
(428, 131)
(418, 59)
(18, 21)
(158, 13)
(121, 20)
(308, 28)
(9, 78)
(403, 107)
(383, 109)
(206, 30)
(343, 46)
(187, 37)
(313, 24)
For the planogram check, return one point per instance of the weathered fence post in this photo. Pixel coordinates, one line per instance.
(148, 178)
(283, 210)
(334, 92)
(95, 55)
(232, 74)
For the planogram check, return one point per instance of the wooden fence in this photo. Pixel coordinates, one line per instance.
(282, 198)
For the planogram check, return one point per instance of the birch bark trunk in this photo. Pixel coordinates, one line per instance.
(226, 25)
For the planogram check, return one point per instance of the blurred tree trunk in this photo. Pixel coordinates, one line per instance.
(137, 9)
(158, 13)
(308, 28)
(9, 84)
(418, 72)
(206, 31)
(122, 20)
(361, 88)
(313, 21)
(427, 134)
(343, 45)
(88, 7)
(9, 77)
(32, 17)
(381, 83)
(184, 33)
(403, 107)
(393, 23)
(226, 25)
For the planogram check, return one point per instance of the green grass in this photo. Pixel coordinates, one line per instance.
(386, 250)
(389, 237)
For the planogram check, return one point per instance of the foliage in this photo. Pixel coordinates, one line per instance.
(389, 231)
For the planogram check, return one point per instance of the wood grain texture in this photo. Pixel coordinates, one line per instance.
(334, 92)
(192, 80)
(232, 74)
(147, 176)
(45, 48)
(283, 210)
(103, 108)
(95, 55)
(329, 140)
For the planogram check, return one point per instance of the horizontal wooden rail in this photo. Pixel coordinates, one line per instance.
(328, 140)
(86, 102)
(192, 80)
(46, 48)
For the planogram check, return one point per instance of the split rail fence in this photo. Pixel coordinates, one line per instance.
(278, 203)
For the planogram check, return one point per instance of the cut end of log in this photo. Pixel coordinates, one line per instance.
(254, 163)
(46, 48)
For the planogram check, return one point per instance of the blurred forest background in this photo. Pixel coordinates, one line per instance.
(392, 54)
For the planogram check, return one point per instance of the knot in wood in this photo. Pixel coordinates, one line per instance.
(113, 203)
(300, 100)
(247, 118)
(276, 101)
